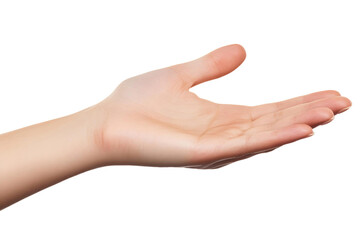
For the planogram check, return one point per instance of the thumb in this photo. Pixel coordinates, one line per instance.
(212, 65)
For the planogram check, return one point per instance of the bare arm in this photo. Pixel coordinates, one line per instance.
(41, 155)
(153, 119)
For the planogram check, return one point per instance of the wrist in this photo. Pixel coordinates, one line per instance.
(85, 128)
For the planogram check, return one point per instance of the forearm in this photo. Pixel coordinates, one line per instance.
(41, 155)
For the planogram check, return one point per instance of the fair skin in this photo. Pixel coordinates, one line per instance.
(154, 120)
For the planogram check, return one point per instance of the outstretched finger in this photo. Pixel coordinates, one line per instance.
(336, 104)
(313, 117)
(253, 143)
(261, 110)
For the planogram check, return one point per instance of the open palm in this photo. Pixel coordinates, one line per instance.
(153, 119)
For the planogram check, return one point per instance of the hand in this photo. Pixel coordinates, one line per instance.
(153, 119)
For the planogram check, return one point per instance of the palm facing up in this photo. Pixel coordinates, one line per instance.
(152, 119)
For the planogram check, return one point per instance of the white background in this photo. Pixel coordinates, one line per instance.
(58, 57)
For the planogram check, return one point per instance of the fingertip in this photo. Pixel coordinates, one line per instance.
(332, 92)
(324, 115)
(233, 55)
(239, 48)
(303, 130)
(343, 110)
(290, 134)
(343, 104)
(239, 51)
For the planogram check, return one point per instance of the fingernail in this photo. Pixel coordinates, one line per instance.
(343, 110)
(311, 134)
(328, 121)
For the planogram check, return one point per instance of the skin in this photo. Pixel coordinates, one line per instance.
(154, 120)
